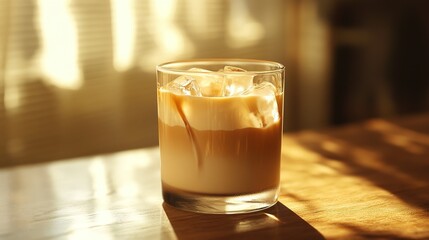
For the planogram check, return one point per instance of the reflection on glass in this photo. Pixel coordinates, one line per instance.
(124, 33)
(59, 48)
(259, 221)
(272, 217)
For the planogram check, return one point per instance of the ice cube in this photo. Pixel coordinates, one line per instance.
(212, 85)
(236, 84)
(207, 85)
(188, 84)
(264, 89)
(184, 85)
(267, 111)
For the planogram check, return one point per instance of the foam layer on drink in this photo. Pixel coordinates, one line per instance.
(219, 113)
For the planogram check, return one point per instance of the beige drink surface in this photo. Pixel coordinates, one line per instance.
(210, 145)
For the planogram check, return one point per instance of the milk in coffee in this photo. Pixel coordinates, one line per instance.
(220, 136)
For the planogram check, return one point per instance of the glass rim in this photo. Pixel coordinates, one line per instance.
(168, 67)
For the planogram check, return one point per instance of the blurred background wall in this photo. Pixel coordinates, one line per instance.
(77, 77)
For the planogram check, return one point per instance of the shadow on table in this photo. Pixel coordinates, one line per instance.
(277, 222)
(393, 155)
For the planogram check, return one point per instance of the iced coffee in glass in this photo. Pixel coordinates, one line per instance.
(220, 130)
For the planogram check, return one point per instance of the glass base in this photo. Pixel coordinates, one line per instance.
(218, 204)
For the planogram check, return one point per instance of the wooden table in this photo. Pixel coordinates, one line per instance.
(362, 181)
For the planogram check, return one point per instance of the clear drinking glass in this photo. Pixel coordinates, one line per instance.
(220, 131)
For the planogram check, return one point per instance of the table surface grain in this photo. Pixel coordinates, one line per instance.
(361, 181)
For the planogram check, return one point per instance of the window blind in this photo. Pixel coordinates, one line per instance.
(78, 76)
